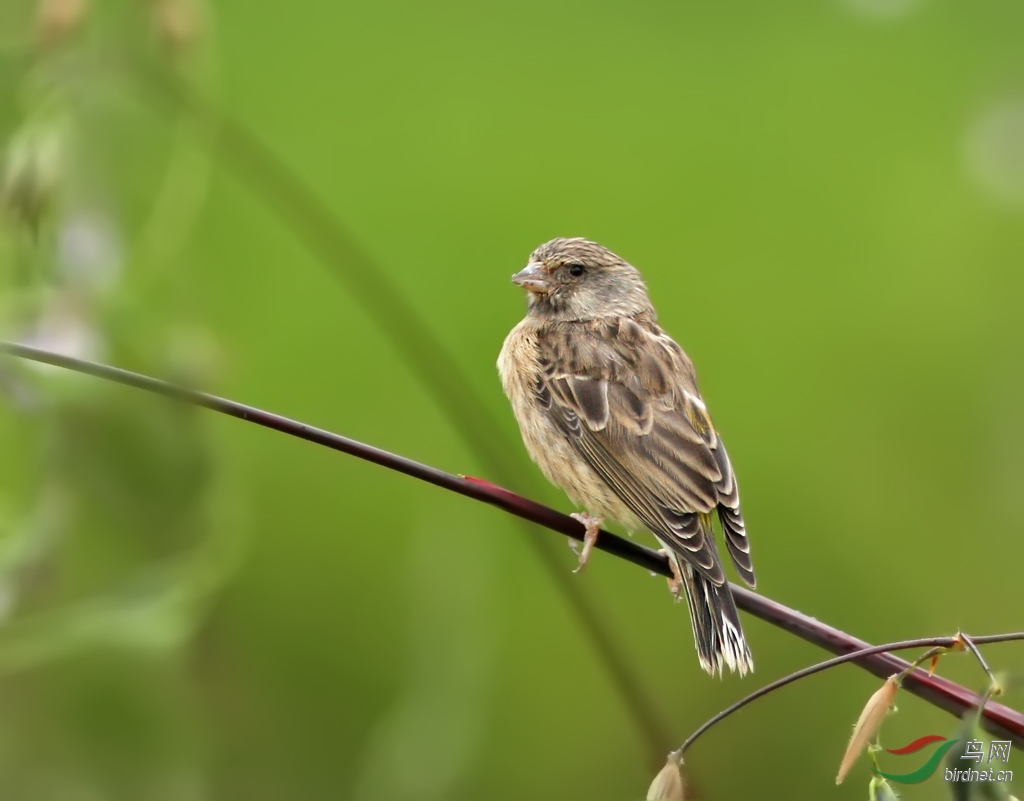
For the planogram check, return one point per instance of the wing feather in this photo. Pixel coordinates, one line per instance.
(626, 395)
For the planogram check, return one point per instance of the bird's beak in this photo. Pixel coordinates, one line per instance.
(532, 278)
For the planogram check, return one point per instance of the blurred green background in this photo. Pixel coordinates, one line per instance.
(826, 198)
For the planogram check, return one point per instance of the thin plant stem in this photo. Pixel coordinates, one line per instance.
(936, 643)
(973, 647)
(997, 719)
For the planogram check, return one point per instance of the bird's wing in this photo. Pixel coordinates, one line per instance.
(625, 394)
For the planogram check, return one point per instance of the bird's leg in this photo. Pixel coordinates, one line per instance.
(675, 584)
(593, 525)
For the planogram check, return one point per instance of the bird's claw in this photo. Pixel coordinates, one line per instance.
(593, 525)
(675, 584)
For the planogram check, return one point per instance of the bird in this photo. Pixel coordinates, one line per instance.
(608, 407)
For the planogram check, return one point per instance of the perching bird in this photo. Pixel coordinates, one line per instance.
(608, 407)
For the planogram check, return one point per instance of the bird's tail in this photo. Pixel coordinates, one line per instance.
(716, 624)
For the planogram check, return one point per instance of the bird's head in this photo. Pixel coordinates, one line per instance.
(575, 279)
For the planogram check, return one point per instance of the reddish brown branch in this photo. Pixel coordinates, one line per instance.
(853, 656)
(997, 719)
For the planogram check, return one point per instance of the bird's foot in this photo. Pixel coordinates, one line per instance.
(675, 584)
(593, 525)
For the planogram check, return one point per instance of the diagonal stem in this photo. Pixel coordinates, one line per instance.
(938, 643)
(997, 719)
(947, 695)
(971, 644)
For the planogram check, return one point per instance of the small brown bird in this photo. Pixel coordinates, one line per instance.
(608, 407)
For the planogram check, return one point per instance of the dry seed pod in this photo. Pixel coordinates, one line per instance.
(668, 784)
(868, 724)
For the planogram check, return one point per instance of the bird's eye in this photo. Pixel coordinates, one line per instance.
(576, 270)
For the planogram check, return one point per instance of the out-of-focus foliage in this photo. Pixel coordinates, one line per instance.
(119, 526)
(827, 201)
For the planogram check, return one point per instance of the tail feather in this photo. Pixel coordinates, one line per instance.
(716, 624)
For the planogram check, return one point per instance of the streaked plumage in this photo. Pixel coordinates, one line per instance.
(609, 409)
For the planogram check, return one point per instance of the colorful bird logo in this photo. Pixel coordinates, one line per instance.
(928, 768)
